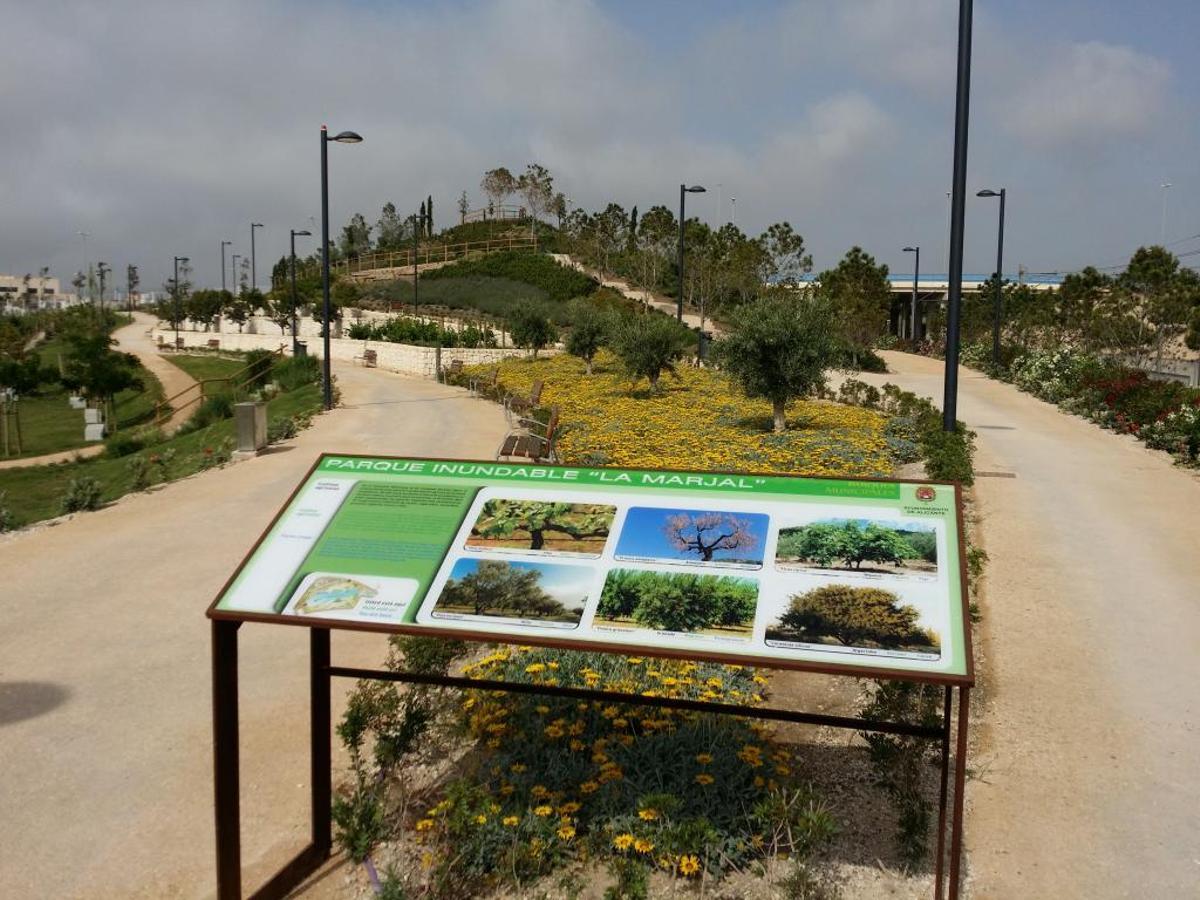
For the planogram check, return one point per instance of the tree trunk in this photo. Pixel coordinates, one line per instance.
(537, 539)
(780, 420)
(587, 365)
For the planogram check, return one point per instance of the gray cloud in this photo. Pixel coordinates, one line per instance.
(162, 128)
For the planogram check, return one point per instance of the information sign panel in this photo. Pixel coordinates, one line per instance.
(803, 573)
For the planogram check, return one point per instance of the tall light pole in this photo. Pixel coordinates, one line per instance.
(683, 191)
(344, 137)
(416, 272)
(224, 244)
(253, 258)
(1162, 231)
(102, 269)
(178, 260)
(912, 327)
(958, 204)
(234, 272)
(733, 211)
(996, 303)
(294, 304)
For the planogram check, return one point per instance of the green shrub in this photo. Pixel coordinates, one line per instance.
(82, 494)
(649, 345)
(530, 328)
(258, 369)
(403, 330)
(948, 454)
(122, 443)
(281, 430)
(139, 469)
(7, 521)
(297, 371)
(559, 282)
(213, 409)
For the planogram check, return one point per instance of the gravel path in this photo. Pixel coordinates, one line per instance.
(1085, 779)
(105, 714)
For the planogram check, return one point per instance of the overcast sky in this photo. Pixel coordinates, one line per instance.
(163, 127)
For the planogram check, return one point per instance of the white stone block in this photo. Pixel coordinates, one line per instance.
(93, 432)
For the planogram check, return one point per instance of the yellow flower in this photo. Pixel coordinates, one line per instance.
(570, 808)
(506, 789)
(543, 812)
(566, 832)
(623, 841)
(610, 712)
(542, 709)
(553, 731)
(534, 668)
(619, 723)
(589, 787)
(635, 660)
(518, 768)
(424, 824)
(538, 791)
(577, 745)
(481, 820)
(704, 758)
(648, 814)
(704, 779)
(688, 865)
(510, 821)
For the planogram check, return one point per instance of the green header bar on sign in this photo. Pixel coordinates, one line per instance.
(640, 478)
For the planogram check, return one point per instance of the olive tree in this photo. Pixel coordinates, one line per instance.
(589, 332)
(650, 345)
(530, 328)
(779, 348)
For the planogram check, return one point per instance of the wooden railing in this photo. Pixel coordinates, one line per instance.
(431, 253)
(165, 409)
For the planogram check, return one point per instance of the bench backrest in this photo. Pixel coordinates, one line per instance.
(456, 366)
(369, 355)
(536, 393)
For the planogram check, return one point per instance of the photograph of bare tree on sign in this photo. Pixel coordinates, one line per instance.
(713, 605)
(533, 593)
(693, 537)
(861, 546)
(855, 618)
(533, 526)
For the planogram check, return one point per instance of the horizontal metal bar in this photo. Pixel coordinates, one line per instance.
(704, 706)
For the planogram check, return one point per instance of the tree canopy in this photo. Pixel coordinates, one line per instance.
(854, 617)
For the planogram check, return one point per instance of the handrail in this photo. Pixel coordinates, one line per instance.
(431, 253)
(164, 409)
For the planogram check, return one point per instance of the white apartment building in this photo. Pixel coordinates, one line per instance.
(25, 293)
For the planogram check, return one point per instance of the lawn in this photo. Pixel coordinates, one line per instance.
(34, 493)
(207, 367)
(50, 425)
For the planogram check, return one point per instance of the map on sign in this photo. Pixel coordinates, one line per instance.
(786, 571)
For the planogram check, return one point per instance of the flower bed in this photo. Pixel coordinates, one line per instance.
(697, 421)
(1164, 414)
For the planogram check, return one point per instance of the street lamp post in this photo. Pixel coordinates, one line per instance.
(294, 304)
(1162, 231)
(958, 203)
(416, 272)
(253, 258)
(102, 269)
(683, 190)
(344, 137)
(999, 299)
(224, 244)
(912, 327)
(178, 260)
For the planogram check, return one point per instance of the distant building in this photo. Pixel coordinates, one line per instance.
(27, 293)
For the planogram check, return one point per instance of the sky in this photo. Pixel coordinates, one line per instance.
(162, 128)
(643, 535)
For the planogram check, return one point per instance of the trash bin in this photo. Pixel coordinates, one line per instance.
(251, 421)
(301, 349)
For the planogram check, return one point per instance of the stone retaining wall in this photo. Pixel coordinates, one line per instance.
(404, 358)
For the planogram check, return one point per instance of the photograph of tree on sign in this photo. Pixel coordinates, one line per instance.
(538, 525)
(852, 616)
(653, 534)
(540, 592)
(678, 601)
(863, 546)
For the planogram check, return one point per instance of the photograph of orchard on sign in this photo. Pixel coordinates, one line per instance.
(860, 545)
(693, 536)
(516, 590)
(721, 606)
(538, 525)
(853, 616)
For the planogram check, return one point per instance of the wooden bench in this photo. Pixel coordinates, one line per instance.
(214, 344)
(485, 385)
(517, 405)
(369, 359)
(532, 440)
(451, 373)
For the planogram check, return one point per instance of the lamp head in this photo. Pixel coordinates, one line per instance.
(911, 249)
(988, 193)
(256, 224)
(306, 233)
(696, 189)
(346, 137)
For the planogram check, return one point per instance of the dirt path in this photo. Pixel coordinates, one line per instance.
(663, 304)
(1085, 784)
(135, 338)
(105, 715)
